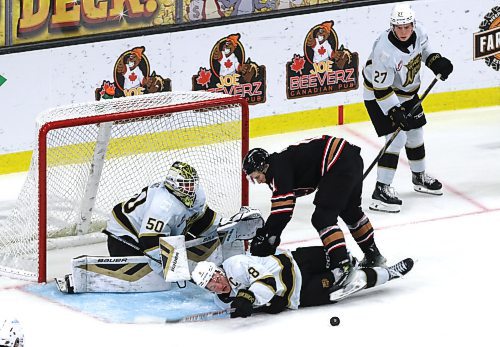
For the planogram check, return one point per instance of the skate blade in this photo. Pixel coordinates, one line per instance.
(357, 284)
(420, 189)
(380, 206)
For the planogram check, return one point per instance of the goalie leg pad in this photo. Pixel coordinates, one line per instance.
(174, 259)
(115, 275)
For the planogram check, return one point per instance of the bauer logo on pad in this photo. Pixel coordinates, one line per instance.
(174, 259)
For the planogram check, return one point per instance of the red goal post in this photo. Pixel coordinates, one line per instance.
(145, 135)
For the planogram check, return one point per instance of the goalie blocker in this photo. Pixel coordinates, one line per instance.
(178, 258)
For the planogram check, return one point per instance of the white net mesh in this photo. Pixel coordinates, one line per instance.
(139, 152)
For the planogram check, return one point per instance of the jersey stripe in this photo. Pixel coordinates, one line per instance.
(202, 223)
(283, 203)
(267, 281)
(123, 219)
(383, 93)
(332, 152)
(287, 275)
(410, 93)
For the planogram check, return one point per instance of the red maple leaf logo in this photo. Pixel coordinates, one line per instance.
(228, 63)
(322, 50)
(298, 63)
(132, 77)
(203, 77)
(108, 88)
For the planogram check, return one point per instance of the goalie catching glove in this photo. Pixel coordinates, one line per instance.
(242, 226)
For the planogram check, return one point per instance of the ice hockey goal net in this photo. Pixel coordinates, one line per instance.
(89, 157)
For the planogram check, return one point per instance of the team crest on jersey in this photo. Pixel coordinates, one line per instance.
(232, 73)
(132, 76)
(487, 40)
(324, 68)
(413, 68)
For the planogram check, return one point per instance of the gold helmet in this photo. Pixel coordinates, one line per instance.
(182, 181)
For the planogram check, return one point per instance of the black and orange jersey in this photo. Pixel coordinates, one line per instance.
(296, 171)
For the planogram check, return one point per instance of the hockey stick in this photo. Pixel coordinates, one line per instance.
(197, 317)
(192, 243)
(388, 143)
(130, 244)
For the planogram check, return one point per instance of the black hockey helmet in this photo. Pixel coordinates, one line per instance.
(255, 160)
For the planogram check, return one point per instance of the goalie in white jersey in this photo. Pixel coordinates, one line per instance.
(271, 284)
(391, 83)
(176, 206)
(148, 237)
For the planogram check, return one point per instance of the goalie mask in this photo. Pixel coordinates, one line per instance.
(182, 181)
(255, 160)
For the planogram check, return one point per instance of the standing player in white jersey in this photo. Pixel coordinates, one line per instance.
(391, 83)
(301, 278)
(176, 206)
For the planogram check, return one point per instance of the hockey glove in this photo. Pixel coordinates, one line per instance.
(276, 305)
(263, 245)
(398, 116)
(439, 65)
(414, 116)
(243, 304)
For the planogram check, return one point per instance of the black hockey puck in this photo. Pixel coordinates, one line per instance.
(334, 321)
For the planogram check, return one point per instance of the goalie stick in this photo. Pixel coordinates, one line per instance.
(130, 244)
(192, 243)
(228, 231)
(198, 317)
(388, 143)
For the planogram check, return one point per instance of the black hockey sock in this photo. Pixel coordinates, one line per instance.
(334, 243)
(362, 232)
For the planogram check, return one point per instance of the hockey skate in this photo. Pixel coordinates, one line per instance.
(373, 258)
(400, 269)
(424, 183)
(385, 199)
(343, 275)
(356, 284)
(65, 285)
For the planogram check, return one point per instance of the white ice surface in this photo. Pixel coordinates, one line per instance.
(449, 299)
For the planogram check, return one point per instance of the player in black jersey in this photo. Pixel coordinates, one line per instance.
(329, 166)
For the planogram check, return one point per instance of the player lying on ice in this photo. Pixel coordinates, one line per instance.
(329, 167)
(304, 277)
(153, 230)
